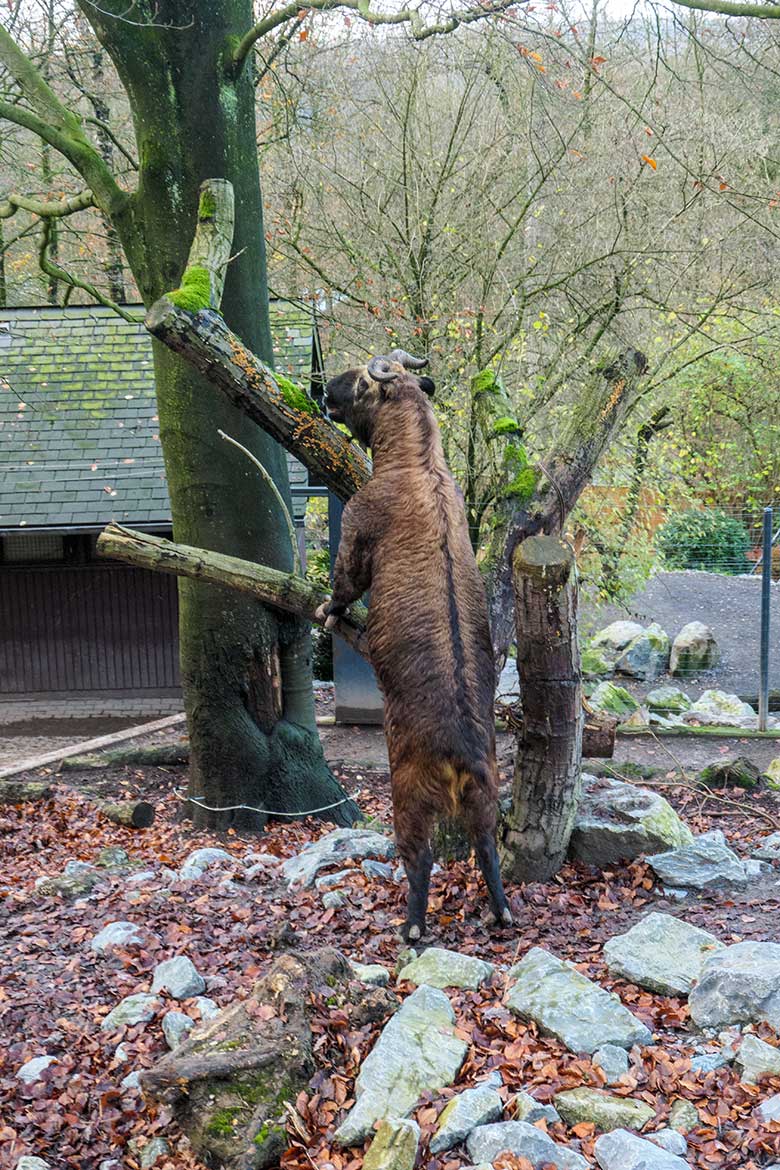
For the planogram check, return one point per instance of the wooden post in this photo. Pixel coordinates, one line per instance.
(546, 788)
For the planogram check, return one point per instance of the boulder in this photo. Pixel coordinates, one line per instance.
(616, 700)
(720, 709)
(605, 1111)
(333, 849)
(132, 1010)
(669, 1140)
(647, 655)
(527, 1108)
(196, 863)
(613, 639)
(612, 1061)
(623, 1150)
(112, 857)
(29, 1162)
(462, 1114)
(594, 664)
(438, 967)
(524, 1141)
(740, 984)
(769, 848)
(769, 1110)
(694, 650)
(417, 1050)
(661, 953)
(374, 974)
(70, 886)
(176, 1026)
(683, 1116)
(757, 1059)
(31, 1070)
(773, 771)
(178, 977)
(118, 934)
(566, 1004)
(706, 863)
(739, 772)
(395, 1145)
(377, 869)
(618, 822)
(668, 700)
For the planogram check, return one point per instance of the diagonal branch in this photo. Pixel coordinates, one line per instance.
(46, 208)
(729, 8)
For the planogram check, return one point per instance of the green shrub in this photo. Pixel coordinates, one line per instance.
(707, 539)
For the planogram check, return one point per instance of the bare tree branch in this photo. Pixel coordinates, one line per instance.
(53, 208)
(729, 8)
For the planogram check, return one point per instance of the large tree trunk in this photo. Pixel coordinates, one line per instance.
(546, 788)
(245, 670)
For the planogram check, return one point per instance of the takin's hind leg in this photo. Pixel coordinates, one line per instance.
(413, 824)
(479, 812)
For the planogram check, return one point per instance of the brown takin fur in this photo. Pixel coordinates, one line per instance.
(404, 536)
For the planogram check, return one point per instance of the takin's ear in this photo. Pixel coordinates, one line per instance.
(428, 386)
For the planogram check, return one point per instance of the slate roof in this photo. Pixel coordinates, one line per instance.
(79, 441)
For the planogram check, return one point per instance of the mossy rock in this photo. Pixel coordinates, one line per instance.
(594, 664)
(738, 772)
(615, 700)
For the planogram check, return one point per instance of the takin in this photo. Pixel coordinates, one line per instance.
(404, 537)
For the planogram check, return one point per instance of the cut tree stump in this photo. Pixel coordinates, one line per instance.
(598, 736)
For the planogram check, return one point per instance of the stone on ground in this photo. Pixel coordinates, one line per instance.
(647, 655)
(31, 1070)
(613, 699)
(668, 700)
(669, 1140)
(612, 1061)
(472, 1107)
(197, 862)
(333, 849)
(756, 1058)
(152, 1152)
(769, 1110)
(605, 1111)
(619, 822)
(438, 967)
(693, 650)
(332, 899)
(118, 934)
(773, 771)
(566, 1004)
(417, 1050)
(738, 772)
(683, 1116)
(706, 863)
(207, 1008)
(738, 985)
(132, 1010)
(769, 848)
(395, 1145)
(328, 880)
(178, 977)
(176, 1026)
(614, 638)
(622, 1150)
(70, 886)
(594, 664)
(485, 1143)
(112, 856)
(661, 953)
(374, 974)
(377, 869)
(721, 709)
(527, 1108)
(131, 1082)
(29, 1162)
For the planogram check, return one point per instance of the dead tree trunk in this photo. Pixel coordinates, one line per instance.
(546, 788)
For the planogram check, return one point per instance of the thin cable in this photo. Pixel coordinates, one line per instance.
(269, 812)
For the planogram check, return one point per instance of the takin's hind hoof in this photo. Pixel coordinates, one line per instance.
(411, 932)
(503, 919)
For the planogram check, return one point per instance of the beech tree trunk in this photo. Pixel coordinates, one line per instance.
(546, 790)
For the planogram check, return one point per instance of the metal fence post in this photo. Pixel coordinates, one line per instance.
(766, 583)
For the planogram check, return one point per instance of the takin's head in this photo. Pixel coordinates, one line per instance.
(353, 397)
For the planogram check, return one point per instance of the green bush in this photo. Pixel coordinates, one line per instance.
(708, 539)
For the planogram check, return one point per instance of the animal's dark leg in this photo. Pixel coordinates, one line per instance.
(413, 824)
(479, 811)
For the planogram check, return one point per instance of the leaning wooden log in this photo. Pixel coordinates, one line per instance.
(163, 754)
(284, 591)
(536, 831)
(134, 814)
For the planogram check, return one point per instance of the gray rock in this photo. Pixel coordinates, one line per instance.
(619, 822)
(395, 1145)
(70, 886)
(176, 1026)
(374, 974)
(613, 639)
(31, 1070)
(647, 655)
(705, 864)
(133, 1009)
(29, 1162)
(121, 1054)
(721, 709)
(527, 1108)
(669, 1140)
(769, 848)
(683, 1116)
(736, 772)
(773, 772)
(661, 953)
(563, 1002)
(112, 856)
(708, 1061)
(196, 863)
(142, 878)
(178, 977)
(668, 700)
(605, 1111)
(525, 1141)
(463, 1113)
(694, 650)
(769, 1110)
(613, 699)
(623, 1150)
(332, 899)
(130, 1082)
(438, 967)
(335, 847)
(253, 860)
(740, 984)
(77, 868)
(110, 1164)
(328, 880)
(117, 934)
(756, 1058)
(417, 1050)
(152, 1152)
(207, 1008)
(756, 870)
(612, 1061)
(377, 869)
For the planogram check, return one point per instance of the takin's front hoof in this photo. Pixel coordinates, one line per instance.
(412, 932)
(501, 920)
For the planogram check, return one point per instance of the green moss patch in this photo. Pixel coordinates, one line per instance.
(295, 396)
(195, 291)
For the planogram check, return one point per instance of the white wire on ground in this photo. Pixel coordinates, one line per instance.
(268, 812)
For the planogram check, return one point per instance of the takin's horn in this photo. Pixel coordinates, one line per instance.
(379, 369)
(406, 359)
